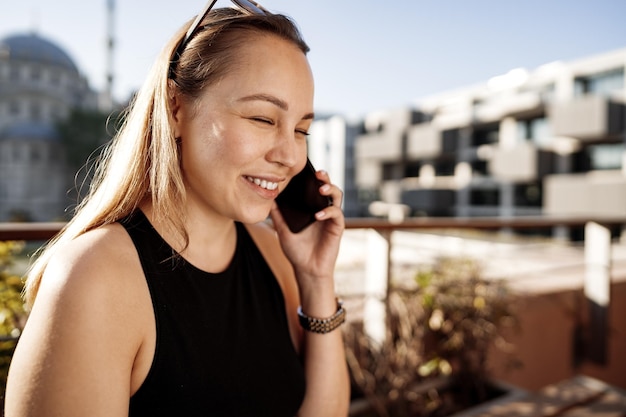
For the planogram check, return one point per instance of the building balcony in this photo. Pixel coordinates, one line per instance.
(600, 192)
(384, 146)
(424, 142)
(588, 118)
(522, 162)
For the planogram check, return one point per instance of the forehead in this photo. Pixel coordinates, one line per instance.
(262, 47)
(272, 64)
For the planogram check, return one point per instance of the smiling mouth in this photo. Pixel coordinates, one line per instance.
(268, 185)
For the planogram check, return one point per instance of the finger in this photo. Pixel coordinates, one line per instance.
(334, 192)
(323, 176)
(331, 212)
(332, 220)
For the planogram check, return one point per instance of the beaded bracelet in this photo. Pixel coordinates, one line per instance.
(323, 326)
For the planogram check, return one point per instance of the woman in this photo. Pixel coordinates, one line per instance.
(167, 294)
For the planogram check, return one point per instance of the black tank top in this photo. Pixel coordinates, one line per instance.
(223, 347)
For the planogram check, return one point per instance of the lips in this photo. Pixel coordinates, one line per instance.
(268, 185)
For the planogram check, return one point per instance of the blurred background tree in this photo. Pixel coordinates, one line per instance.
(83, 135)
(83, 132)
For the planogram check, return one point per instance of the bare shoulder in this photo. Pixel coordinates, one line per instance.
(104, 252)
(88, 323)
(98, 272)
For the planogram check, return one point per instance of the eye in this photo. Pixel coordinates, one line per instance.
(302, 132)
(263, 120)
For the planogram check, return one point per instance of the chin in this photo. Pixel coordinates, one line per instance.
(251, 218)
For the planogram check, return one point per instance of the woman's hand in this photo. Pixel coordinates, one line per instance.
(313, 252)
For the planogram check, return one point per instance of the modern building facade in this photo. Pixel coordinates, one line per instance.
(331, 147)
(548, 141)
(39, 85)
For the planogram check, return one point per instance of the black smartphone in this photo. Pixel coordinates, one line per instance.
(301, 199)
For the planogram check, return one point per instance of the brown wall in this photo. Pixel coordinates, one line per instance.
(544, 342)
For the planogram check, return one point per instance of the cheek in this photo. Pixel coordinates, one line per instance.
(197, 157)
(302, 156)
(202, 144)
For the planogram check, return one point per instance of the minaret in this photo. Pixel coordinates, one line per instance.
(108, 92)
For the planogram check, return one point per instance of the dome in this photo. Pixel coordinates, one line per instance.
(33, 48)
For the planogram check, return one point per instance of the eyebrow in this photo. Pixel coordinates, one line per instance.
(282, 104)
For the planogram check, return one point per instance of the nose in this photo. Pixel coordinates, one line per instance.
(287, 149)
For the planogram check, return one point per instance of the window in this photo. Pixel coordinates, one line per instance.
(450, 141)
(17, 153)
(418, 117)
(479, 167)
(412, 170)
(14, 73)
(35, 73)
(366, 196)
(35, 154)
(604, 157)
(485, 135)
(535, 130)
(603, 83)
(14, 108)
(392, 171)
(55, 77)
(445, 167)
(485, 197)
(36, 112)
(528, 195)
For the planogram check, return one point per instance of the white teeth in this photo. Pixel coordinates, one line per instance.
(268, 185)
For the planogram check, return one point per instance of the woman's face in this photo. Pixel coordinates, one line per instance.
(245, 137)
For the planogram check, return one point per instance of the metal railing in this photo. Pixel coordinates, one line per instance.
(597, 242)
(597, 261)
(46, 230)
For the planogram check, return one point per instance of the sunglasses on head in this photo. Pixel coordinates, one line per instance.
(246, 6)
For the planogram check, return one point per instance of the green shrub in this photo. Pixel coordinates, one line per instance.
(440, 330)
(12, 312)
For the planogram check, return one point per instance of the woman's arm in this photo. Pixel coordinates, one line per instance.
(313, 254)
(324, 361)
(76, 354)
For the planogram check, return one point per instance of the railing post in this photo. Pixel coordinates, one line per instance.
(376, 279)
(597, 289)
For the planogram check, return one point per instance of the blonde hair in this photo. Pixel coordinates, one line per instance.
(142, 161)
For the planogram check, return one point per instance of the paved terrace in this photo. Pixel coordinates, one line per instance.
(529, 264)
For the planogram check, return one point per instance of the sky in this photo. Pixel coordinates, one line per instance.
(366, 55)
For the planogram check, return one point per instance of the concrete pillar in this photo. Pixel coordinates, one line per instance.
(376, 281)
(597, 289)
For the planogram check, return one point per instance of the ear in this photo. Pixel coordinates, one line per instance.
(175, 109)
